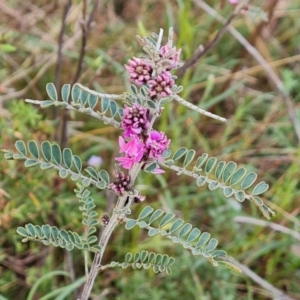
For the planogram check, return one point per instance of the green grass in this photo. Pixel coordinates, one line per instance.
(258, 136)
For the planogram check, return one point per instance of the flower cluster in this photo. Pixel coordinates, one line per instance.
(141, 72)
(121, 183)
(139, 143)
(134, 120)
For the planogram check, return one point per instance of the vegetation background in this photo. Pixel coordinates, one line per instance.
(227, 80)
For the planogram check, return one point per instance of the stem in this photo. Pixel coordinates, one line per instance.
(117, 217)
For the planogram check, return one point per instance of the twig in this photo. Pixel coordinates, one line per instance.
(198, 109)
(268, 69)
(274, 226)
(276, 293)
(85, 29)
(203, 50)
(59, 53)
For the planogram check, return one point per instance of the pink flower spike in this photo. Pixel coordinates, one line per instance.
(135, 120)
(139, 71)
(134, 152)
(156, 144)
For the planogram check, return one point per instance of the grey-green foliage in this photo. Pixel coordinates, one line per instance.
(144, 260)
(88, 213)
(64, 161)
(180, 233)
(85, 101)
(235, 182)
(51, 235)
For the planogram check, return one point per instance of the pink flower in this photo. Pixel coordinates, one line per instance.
(156, 144)
(234, 2)
(161, 85)
(134, 152)
(171, 54)
(135, 120)
(139, 71)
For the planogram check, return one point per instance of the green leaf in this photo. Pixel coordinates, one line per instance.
(130, 224)
(176, 225)
(228, 191)
(201, 180)
(113, 107)
(238, 176)
(201, 160)
(47, 103)
(92, 239)
(22, 231)
(65, 92)
(30, 163)
(64, 235)
(248, 180)
(38, 231)
(211, 162)
(56, 153)
(257, 201)
(153, 232)
(151, 257)
(33, 149)
(83, 97)
(92, 172)
(136, 257)
(179, 153)
(185, 229)
(20, 146)
(166, 219)
(67, 157)
(240, 196)
(171, 261)
(144, 255)
(92, 230)
(93, 222)
(18, 156)
(77, 162)
(158, 259)
(150, 167)
(166, 153)
(213, 185)
(54, 232)
(219, 253)
(213, 243)
(46, 231)
(128, 257)
(189, 157)
(260, 188)
(205, 236)
(92, 100)
(219, 169)
(194, 234)
(46, 150)
(76, 91)
(104, 104)
(104, 176)
(63, 173)
(168, 271)
(145, 212)
(158, 213)
(51, 91)
(7, 48)
(229, 170)
(87, 181)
